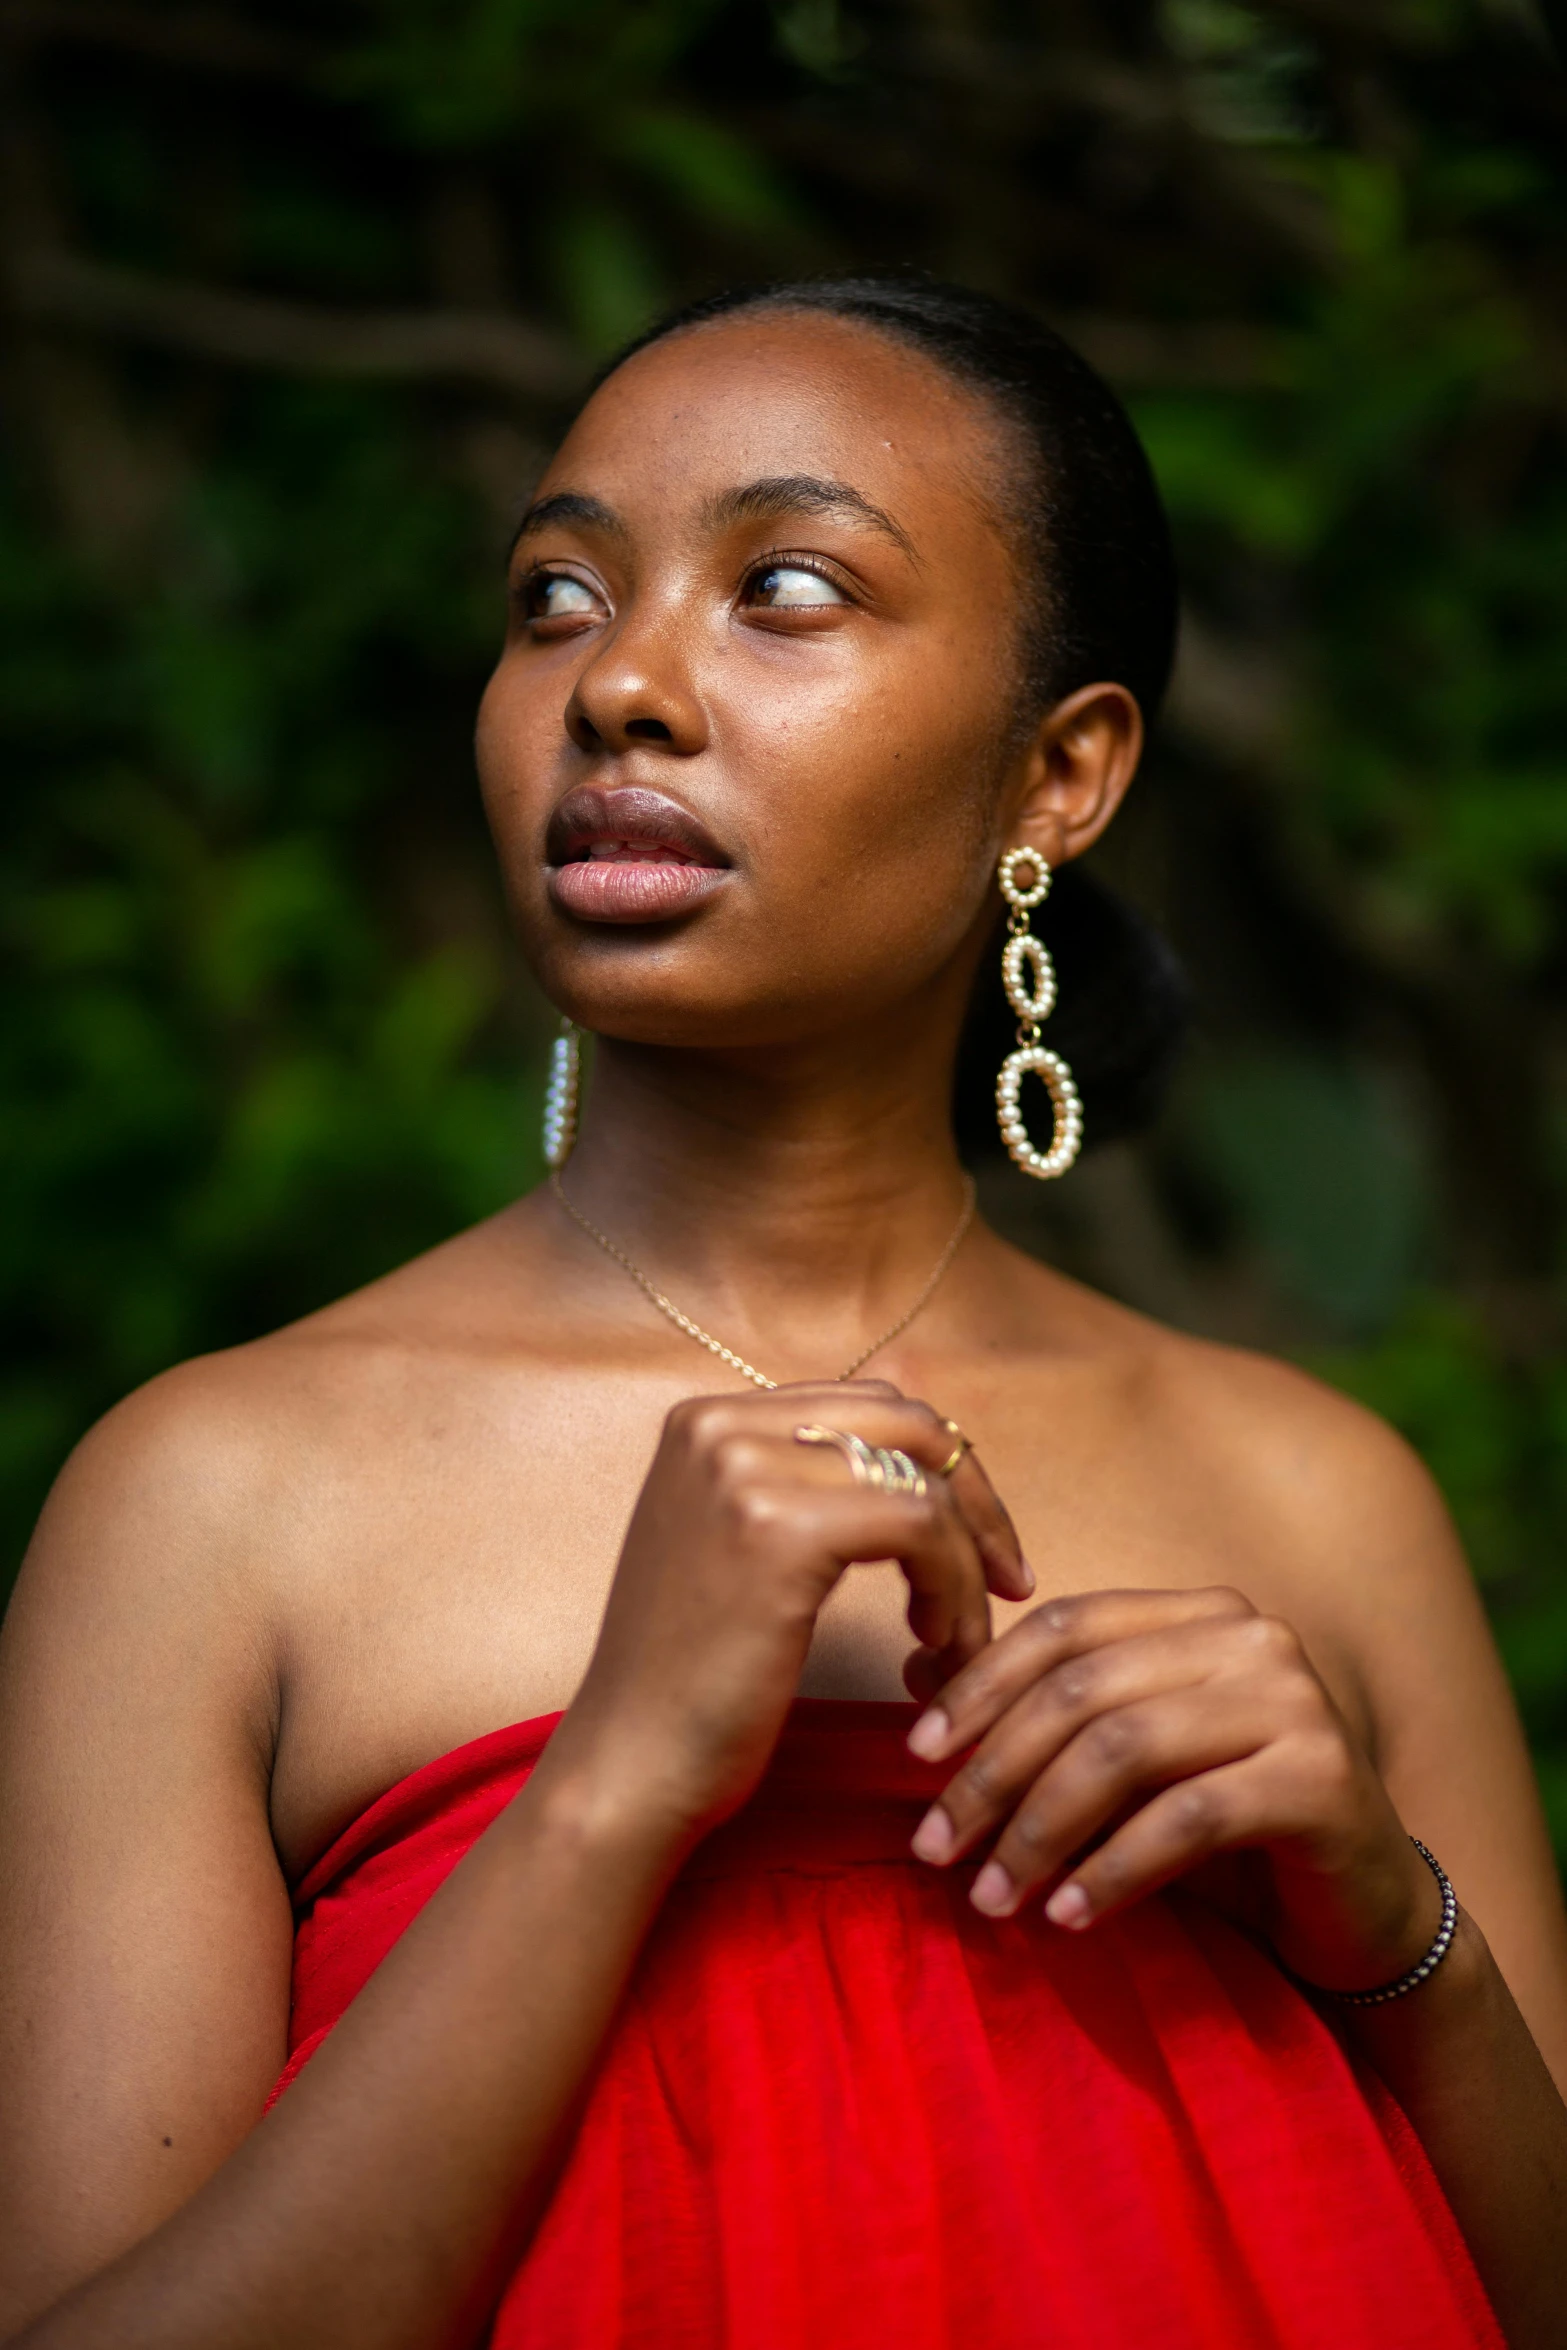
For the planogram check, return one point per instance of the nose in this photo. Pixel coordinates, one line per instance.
(637, 688)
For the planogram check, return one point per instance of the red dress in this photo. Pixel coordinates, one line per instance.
(839, 2110)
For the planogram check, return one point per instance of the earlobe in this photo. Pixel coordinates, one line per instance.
(1077, 770)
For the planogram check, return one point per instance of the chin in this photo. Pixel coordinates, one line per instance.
(652, 996)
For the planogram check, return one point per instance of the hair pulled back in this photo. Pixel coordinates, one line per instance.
(1093, 547)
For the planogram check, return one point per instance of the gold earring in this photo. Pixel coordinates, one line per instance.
(560, 1096)
(1032, 1004)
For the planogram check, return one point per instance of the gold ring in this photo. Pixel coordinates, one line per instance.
(964, 1444)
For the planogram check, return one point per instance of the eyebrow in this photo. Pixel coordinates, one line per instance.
(805, 493)
(768, 500)
(570, 506)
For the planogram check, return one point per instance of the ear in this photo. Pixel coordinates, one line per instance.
(1075, 772)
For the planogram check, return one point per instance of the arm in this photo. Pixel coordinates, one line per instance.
(1473, 2080)
(144, 1989)
(1207, 1724)
(1462, 2063)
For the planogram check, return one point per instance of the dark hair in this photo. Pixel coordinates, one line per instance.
(1095, 547)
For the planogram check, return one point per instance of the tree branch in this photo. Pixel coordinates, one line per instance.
(63, 289)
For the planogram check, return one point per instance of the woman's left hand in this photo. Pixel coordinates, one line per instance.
(1124, 1739)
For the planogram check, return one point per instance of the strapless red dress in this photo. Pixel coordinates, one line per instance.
(840, 2110)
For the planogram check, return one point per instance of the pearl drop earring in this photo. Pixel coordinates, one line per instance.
(560, 1096)
(1032, 1004)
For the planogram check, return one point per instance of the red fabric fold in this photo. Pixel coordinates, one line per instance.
(839, 2108)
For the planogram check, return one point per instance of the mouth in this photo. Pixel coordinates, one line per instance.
(629, 855)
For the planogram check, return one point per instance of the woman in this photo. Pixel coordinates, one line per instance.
(650, 2026)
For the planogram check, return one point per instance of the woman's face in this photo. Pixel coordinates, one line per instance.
(743, 753)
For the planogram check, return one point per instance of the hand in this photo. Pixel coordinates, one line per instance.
(738, 1536)
(1128, 1738)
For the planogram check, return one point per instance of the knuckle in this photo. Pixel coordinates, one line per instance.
(1071, 1686)
(981, 1778)
(732, 1464)
(1114, 1742)
(1111, 1871)
(1270, 1640)
(1197, 1815)
(699, 1421)
(1054, 1621)
(1028, 1830)
(981, 1686)
(955, 1536)
(1326, 1765)
(1304, 1704)
(926, 1514)
(678, 1422)
(752, 1511)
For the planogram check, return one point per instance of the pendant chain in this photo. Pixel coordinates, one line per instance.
(726, 1354)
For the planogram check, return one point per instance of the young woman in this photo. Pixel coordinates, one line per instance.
(740, 2003)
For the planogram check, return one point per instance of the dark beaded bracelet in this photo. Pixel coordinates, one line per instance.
(1433, 1957)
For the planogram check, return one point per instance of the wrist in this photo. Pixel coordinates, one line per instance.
(1457, 1989)
(1378, 1924)
(600, 1794)
(1428, 1955)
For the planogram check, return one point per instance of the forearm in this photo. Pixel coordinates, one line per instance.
(378, 2204)
(1459, 2058)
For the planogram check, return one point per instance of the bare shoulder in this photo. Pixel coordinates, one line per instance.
(1297, 1470)
(151, 1524)
(1282, 1441)
(188, 1502)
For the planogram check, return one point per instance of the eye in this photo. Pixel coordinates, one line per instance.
(785, 587)
(555, 595)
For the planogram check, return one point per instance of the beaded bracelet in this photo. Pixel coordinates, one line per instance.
(1433, 1957)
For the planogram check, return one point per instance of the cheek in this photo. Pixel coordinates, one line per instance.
(509, 739)
(871, 852)
(891, 764)
(492, 731)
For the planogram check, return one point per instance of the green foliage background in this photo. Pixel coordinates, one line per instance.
(293, 301)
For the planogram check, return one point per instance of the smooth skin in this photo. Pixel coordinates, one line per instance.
(1244, 1652)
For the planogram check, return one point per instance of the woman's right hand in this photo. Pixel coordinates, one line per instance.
(738, 1536)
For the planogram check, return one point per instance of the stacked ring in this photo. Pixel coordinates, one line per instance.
(882, 1466)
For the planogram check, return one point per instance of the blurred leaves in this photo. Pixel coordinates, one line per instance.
(462, 74)
(1323, 1168)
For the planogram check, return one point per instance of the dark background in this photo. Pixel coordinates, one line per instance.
(293, 301)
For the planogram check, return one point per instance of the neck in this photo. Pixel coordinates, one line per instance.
(791, 1199)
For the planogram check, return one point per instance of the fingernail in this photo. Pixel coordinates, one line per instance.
(930, 1734)
(935, 1835)
(1069, 1906)
(994, 1890)
(1028, 1574)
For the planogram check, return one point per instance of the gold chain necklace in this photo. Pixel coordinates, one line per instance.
(726, 1354)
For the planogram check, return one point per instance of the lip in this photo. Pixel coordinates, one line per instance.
(629, 854)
